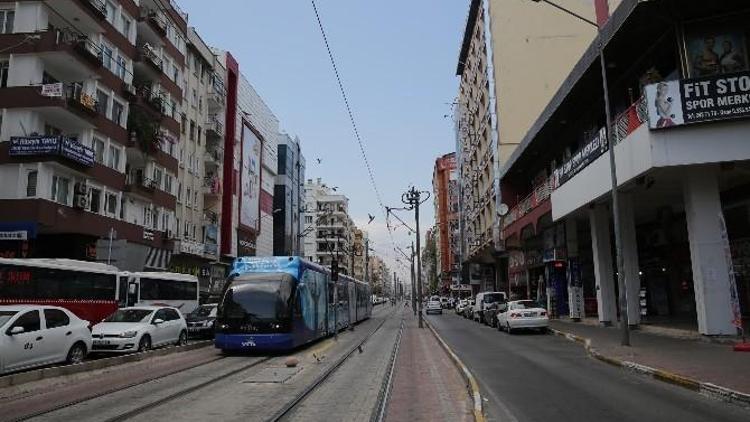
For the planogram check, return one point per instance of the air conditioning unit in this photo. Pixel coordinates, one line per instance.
(80, 202)
(81, 188)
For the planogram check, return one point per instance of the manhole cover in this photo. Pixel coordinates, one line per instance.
(276, 375)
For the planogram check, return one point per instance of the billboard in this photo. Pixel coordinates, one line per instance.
(250, 178)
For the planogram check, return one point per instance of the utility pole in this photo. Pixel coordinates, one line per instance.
(413, 198)
(367, 261)
(413, 283)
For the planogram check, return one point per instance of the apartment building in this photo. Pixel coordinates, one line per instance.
(445, 199)
(289, 197)
(328, 227)
(682, 186)
(357, 252)
(89, 106)
(380, 276)
(513, 57)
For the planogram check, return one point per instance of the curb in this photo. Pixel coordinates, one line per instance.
(56, 371)
(472, 382)
(707, 389)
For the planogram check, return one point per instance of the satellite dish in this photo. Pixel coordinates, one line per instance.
(502, 210)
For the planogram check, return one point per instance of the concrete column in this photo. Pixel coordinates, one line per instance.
(630, 258)
(707, 251)
(605, 280)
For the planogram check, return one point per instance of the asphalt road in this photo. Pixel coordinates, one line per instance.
(538, 377)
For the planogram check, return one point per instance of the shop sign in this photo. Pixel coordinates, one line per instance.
(534, 258)
(585, 156)
(212, 237)
(246, 245)
(53, 90)
(148, 234)
(14, 235)
(695, 100)
(516, 261)
(192, 248)
(51, 145)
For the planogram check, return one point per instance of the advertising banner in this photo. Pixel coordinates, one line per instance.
(246, 245)
(702, 99)
(52, 90)
(250, 179)
(52, 145)
(590, 152)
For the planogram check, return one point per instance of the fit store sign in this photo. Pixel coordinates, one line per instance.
(686, 101)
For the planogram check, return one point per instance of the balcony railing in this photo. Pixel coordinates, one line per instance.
(150, 55)
(212, 186)
(540, 194)
(136, 179)
(629, 120)
(214, 127)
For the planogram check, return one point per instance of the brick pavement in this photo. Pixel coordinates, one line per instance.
(427, 386)
(702, 361)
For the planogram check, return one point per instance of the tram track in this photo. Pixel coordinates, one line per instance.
(288, 409)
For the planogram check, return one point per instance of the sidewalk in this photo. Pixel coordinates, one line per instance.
(427, 385)
(702, 361)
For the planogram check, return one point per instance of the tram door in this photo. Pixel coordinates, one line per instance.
(133, 292)
(352, 303)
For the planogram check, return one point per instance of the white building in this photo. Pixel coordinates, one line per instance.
(327, 226)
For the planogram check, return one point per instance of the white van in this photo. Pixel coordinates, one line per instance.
(484, 300)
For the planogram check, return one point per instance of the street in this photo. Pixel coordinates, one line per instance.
(537, 377)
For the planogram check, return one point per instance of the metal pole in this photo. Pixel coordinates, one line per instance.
(367, 261)
(416, 195)
(622, 293)
(413, 283)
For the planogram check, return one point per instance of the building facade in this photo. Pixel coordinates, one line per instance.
(289, 197)
(328, 227)
(682, 187)
(445, 198)
(502, 41)
(90, 98)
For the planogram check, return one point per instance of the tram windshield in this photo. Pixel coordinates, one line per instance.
(257, 303)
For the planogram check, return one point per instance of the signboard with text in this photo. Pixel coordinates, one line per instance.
(51, 145)
(696, 100)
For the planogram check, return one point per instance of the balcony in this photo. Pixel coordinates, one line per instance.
(211, 187)
(137, 183)
(98, 7)
(214, 128)
(212, 159)
(149, 56)
(216, 94)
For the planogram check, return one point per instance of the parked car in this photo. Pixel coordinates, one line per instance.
(521, 314)
(483, 301)
(460, 306)
(444, 302)
(201, 321)
(433, 306)
(468, 310)
(140, 328)
(33, 335)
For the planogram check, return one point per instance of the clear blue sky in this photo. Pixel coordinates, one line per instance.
(397, 59)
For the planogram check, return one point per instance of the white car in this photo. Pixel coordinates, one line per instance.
(520, 314)
(139, 328)
(33, 335)
(462, 304)
(434, 306)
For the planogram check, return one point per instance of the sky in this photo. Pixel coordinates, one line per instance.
(397, 60)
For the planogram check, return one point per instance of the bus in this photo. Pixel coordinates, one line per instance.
(91, 290)
(159, 289)
(280, 303)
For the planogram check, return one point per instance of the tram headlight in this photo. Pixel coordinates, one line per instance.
(129, 334)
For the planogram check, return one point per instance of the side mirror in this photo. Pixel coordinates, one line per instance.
(15, 330)
(158, 321)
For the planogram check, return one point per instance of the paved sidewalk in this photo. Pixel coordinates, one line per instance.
(706, 362)
(427, 385)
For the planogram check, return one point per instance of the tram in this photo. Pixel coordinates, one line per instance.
(281, 303)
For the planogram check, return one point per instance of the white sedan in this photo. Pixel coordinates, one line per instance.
(33, 335)
(521, 314)
(433, 306)
(140, 328)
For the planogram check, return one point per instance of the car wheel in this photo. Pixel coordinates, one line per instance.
(145, 344)
(183, 339)
(508, 328)
(76, 354)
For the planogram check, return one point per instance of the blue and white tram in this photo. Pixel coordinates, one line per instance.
(280, 303)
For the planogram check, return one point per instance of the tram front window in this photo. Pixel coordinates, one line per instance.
(257, 303)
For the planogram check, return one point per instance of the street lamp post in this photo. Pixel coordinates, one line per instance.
(622, 296)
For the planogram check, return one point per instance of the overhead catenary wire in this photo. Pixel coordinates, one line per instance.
(350, 114)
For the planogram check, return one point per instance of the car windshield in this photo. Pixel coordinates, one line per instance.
(203, 311)
(526, 304)
(130, 315)
(257, 303)
(493, 297)
(5, 316)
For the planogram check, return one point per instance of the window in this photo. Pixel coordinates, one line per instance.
(308, 219)
(147, 216)
(199, 134)
(31, 183)
(4, 67)
(185, 233)
(56, 318)
(111, 205)
(189, 197)
(171, 314)
(118, 111)
(114, 158)
(154, 289)
(102, 102)
(60, 189)
(125, 24)
(183, 120)
(95, 200)
(122, 67)
(157, 176)
(98, 146)
(111, 9)
(196, 201)
(192, 130)
(194, 231)
(175, 72)
(165, 221)
(107, 56)
(44, 283)
(167, 183)
(179, 192)
(7, 17)
(30, 322)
